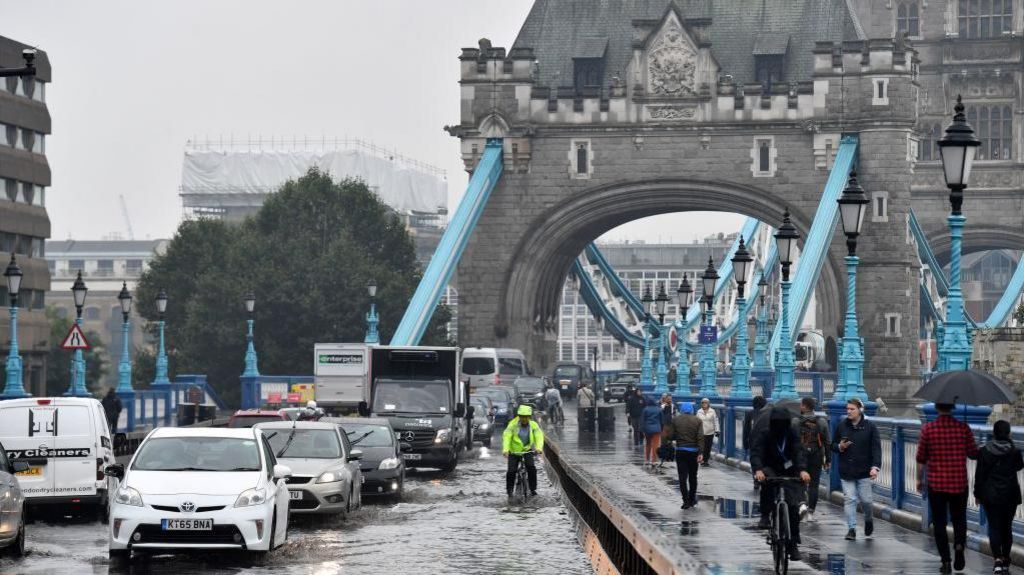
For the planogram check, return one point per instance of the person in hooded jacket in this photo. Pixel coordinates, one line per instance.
(777, 453)
(634, 409)
(749, 418)
(688, 434)
(997, 490)
(652, 424)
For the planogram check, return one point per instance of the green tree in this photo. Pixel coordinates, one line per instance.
(307, 256)
(58, 372)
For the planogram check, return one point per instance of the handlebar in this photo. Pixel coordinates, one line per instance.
(532, 451)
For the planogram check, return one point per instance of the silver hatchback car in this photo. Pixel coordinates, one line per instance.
(325, 477)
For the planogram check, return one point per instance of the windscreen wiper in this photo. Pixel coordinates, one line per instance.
(287, 443)
(361, 437)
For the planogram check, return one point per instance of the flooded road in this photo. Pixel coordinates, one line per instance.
(455, 523)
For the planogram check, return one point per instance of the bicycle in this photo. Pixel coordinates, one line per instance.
(522, 486)
(555, 415)
(779, 533)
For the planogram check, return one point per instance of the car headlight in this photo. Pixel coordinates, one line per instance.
(127, 496)
(251, 497)
(329, 477)
(442, 435)
(485, 426)
(538, 395)
(389, 463)
(501, 411)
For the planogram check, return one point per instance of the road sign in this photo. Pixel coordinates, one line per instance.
(75, 339)
(708, 334)
(673, 338)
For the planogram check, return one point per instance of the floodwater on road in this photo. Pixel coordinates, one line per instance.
(457, 523)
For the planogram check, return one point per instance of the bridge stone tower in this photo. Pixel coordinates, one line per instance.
(612, 112)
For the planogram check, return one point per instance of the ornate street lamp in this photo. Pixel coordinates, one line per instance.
(372, 337)
(957, 148)
(852, 206)
(708, 371)
(78, 388)
(684, 298)
(124, 367)
(741, 263)
(761, 333)
(785, 363)
(14, 387)
(251, 370)
(661, 302)
(161, 353)
(645, 362)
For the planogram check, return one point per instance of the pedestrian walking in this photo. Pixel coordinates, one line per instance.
(688, 434)
(997, 490)
(652, 425)
(667, 411)
(859, 449)
(814, 439)
(635, 409)
(708, 417)
(111, 409)
(585, 397)
(942, 452)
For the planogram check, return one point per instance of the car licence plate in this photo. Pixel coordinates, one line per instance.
(31, 471)
(412, 456)
(186, 524)
(295, 495)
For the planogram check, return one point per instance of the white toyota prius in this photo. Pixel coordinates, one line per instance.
(199, 489)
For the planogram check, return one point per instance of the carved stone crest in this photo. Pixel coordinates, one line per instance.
(672, 112)
(671, 62)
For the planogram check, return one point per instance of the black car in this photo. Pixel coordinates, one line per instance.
(503, 398)
(529, 391)
(382, 464)
(483, 419)
(616, 390)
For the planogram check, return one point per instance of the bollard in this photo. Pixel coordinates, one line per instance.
(606, 418)
(585, 417)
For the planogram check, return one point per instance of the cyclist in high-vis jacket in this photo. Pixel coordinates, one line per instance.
(522, 437)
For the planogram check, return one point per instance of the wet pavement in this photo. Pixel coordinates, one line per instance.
(720, 532)
(457, 523)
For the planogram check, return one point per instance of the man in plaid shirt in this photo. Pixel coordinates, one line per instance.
(943, 450)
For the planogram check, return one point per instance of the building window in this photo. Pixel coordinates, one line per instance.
(134, 267)
(768, 69)
(581, 164)
(880, 92)
(105, 268)
(11, 189)
(993, 125)
(928, 149)
(985, 18)
(76, 265)
(879, 206)
(763, 155)
(907, 21)
(11, 132)
(587, 73)
(892, 325)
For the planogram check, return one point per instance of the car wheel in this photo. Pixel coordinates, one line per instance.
(17, 547)
(119, 556)
(103, 511)
(450, 466)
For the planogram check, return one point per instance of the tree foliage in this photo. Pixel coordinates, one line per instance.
(307, 255)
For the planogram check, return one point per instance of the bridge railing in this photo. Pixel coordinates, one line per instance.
(158, 405)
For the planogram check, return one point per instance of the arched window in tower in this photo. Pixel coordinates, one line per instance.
(764, 156)
(908, 19)
(984, 18)
(928, 149)
(581, 158)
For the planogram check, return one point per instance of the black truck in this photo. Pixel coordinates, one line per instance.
(418, 390)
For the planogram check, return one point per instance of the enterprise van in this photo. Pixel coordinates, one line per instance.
(67, 445)
(484, 366)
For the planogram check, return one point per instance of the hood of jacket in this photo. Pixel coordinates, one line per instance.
(999, 446)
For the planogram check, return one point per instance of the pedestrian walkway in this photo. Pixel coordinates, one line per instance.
(721, 531)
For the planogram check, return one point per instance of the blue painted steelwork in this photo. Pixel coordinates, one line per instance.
(818, 239)
(770, 263)
(78, 388)
(955, 348)
(161, 358)
(251, 369)
(124, 368)
(595, 257)
(372, 336)
(924, 251)
(453, 243)
(14, 387)
(596, 306)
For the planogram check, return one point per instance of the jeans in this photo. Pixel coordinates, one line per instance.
(513, 467)
(686, 465)
(812, 487)
(943, 507)
(1000, 525)
(855, 490)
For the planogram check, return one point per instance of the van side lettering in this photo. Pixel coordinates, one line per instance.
(47, 453)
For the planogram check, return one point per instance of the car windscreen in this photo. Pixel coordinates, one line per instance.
(567, 371)
(305, 444)
(251, 420)
(198, 454)
(369, 435)
(411, 397)
(477, 365)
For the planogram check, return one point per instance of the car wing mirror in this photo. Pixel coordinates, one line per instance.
(19, 466)
(460, 410)
(355, 455)
(282, 471)
(115, 470)
(470, 411)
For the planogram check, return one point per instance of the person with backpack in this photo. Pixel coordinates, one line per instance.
(634, 410)
(652, 424)
(814, 439)
(998, 492)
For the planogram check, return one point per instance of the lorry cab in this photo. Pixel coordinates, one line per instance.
(66, 443)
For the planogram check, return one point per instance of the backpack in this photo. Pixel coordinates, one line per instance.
(810, 434)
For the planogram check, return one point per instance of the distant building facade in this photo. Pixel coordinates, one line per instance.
(24, 223)
(105, 264)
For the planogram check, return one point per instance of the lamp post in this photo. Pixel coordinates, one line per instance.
(372, 337)
(740, 366)
(161, 354)
(785, 363)
(684, 297)
(14, 387)
(250, 350)
(124, 368)
(708, 371)
(957, 148)
(661, 384)
(761, 331)
(645, 361)
(77, 388)
(852, 206)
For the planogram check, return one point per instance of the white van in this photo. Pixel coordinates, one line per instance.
(484, 366)
(66, 442)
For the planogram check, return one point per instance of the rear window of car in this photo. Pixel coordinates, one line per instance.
(567, 371)
(45, 421)
(511, 366)
(477, 365)
(241, 421)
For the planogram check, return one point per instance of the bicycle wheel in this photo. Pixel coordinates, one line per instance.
(521, 480)
(782, 540)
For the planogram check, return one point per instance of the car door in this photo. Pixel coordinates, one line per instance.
(355, 470)
(280, 487)
(29, 435)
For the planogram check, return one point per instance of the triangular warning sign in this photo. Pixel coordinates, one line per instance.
(75, 339)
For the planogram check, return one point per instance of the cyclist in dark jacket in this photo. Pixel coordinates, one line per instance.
(997, 490)
(777, 453)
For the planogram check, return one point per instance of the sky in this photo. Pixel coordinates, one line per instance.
(134, 81)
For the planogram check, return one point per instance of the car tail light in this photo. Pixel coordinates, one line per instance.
(99, 469)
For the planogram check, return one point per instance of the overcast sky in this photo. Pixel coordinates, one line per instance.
(133, 81)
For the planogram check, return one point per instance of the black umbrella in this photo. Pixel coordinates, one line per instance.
(966, 387)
